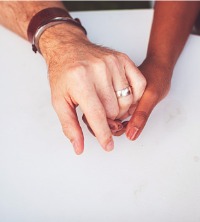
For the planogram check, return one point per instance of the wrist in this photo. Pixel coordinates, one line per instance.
(45, 20)
(55, 38)
(158, 75)
(161, 61)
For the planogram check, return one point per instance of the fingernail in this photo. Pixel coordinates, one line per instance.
(125, 123)
(110, 146)
(112, 127)
(116, 128)
(132, 133)
(120, 127)
(76, 147)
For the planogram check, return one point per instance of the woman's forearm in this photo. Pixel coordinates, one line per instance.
(172, 24)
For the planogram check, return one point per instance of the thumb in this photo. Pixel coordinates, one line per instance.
(70, 125)
(141, 114)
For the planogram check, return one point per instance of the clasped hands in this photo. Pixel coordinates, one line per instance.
(82, 73)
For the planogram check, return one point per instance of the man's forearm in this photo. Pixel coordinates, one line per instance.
(17, 15)
(172, 24)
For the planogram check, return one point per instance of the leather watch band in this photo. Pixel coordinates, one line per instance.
(45, 19)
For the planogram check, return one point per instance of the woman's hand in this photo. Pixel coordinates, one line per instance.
(81, 73)
(158, 78)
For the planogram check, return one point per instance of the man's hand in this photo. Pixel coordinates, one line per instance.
(82, 73)
(158, 84)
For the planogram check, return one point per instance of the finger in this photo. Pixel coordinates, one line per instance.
(115, 125)
(132, 109)
(107, 96)
(119, 133)
(129, 113)
(70, 125)
(122, 131)
(96, 117)
(141, 115)
(135, 79)
(87, 124)
(120, 82)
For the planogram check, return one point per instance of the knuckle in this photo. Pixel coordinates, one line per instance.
(112, 114)
(154, 94)
(111, 108)
(140, 117)
(65, 129)
(78, 72)
(139, 88)
(125, 102)
(111, 59)
(125, 57)
(54, 102)
(140, 82)
(99, 65)
(157, 91)
(100, 113)
(77, 75)
(143, 82)
(98, 62)
(95, 113)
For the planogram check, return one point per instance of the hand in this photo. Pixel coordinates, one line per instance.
(81, 73)
(158, 78)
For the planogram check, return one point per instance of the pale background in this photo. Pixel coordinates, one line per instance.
(155, 178)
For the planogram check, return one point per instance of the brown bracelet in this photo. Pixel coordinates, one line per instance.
(45, 19)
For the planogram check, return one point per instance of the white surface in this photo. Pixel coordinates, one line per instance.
(156, 178)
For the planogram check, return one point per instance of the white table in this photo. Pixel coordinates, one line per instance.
(156, 178)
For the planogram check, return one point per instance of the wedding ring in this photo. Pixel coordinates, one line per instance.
(124, 92)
